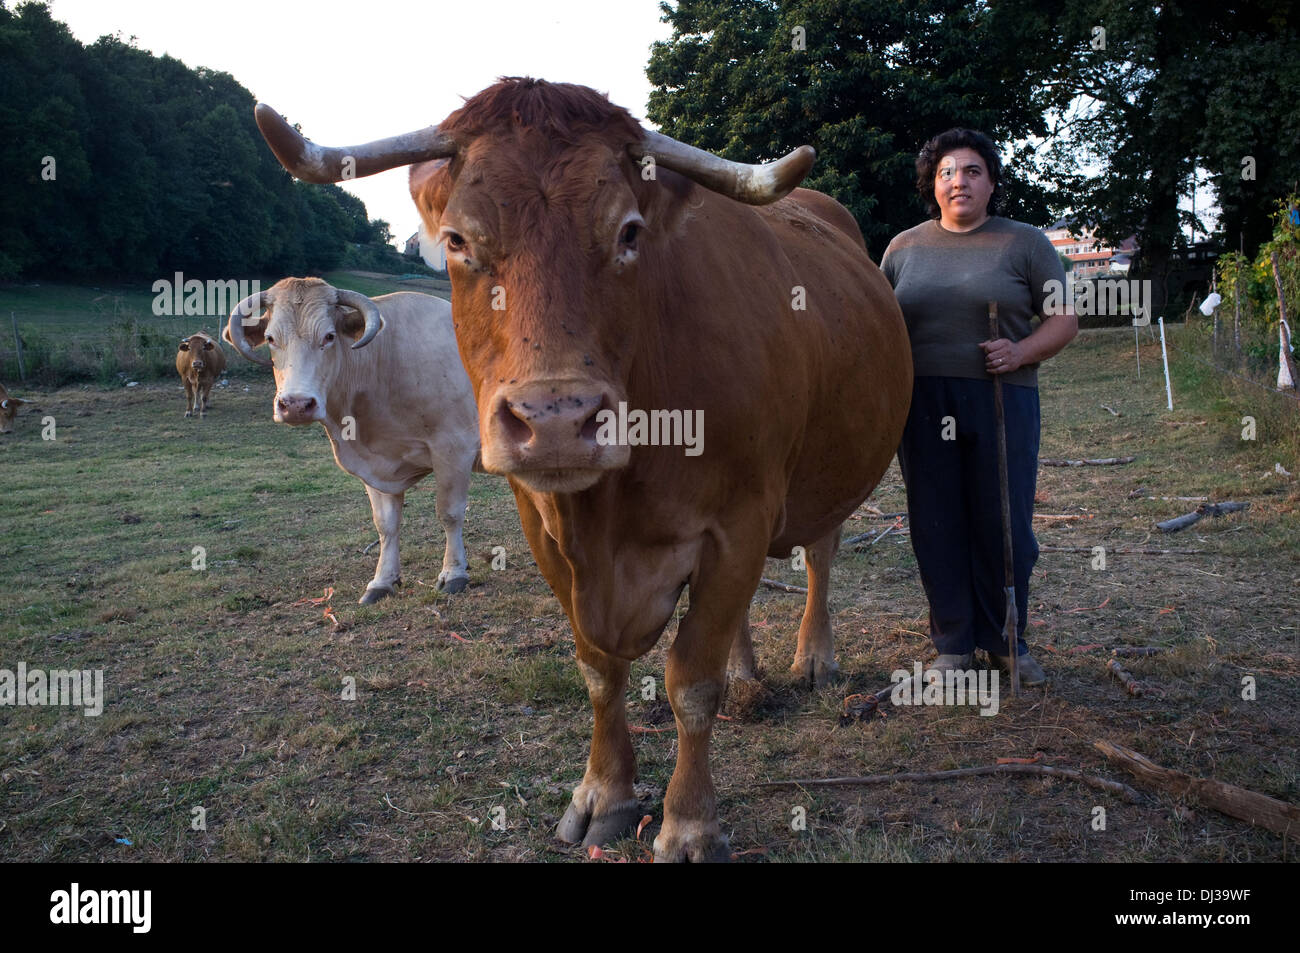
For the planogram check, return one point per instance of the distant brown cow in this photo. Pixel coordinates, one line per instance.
(199, 361)
(8, 409)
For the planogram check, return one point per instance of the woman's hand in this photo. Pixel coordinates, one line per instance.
(1002, 356)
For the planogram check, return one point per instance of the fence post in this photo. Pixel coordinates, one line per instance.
(18, 343)
(1286, 375)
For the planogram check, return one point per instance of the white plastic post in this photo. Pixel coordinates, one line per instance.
(1169, 393)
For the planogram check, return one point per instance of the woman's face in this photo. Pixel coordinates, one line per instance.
(962, 187)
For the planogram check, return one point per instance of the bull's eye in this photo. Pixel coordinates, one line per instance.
(455, 242)
(628, 236)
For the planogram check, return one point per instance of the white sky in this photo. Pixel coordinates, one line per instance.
(359, 70)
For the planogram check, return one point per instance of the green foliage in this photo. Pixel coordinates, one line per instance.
(875, 81)
(122, 163)
(1249, 287)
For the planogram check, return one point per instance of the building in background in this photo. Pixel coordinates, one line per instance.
(1090, 257)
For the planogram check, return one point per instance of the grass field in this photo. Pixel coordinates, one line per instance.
(224, 687)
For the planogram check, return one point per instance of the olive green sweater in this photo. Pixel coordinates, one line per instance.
(944, 281)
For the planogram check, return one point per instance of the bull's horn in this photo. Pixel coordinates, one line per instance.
(235, 327)
(320, 164)
(374, 320)
(751, 184)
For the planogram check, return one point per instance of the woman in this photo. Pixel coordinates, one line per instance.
(945, 272)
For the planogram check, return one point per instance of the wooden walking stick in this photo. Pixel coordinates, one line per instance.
(1011, 622)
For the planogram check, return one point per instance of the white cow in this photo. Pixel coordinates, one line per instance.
(397, 406)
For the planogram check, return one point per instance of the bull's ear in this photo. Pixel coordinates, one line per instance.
(185, 345)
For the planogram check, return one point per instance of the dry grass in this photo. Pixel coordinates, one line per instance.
(223, 694)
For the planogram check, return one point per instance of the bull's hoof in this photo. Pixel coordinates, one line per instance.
(452, 584)
(744, 696)
(579, 826)
(813, 671)
(696, 842)
(374, 593)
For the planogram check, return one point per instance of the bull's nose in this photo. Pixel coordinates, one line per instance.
(550, 420)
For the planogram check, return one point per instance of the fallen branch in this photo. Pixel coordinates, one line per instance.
(1202, 511)
(1102, 462)
(1138, 651)
(1122, 552)
(1112, 410)
(1258, 809)
(897, 524)
(1144, 494)
(1062, 517)
(781, 586)
(1115, 787)
(1128, 681)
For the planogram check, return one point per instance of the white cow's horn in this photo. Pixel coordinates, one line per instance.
(374, 321)
(235, 327)
(320, 164)
(751, 184)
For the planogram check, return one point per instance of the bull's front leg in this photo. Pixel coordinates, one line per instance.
(452, 477)
(604, 805)
(205, 387)
(189, 397)
(814, 660)
(386, 509)
(696, 681)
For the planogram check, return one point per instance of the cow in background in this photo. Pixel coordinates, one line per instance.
(397, 406)
(9, 409)
(200, 361)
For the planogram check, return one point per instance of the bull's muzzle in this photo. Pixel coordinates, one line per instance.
(545, 435)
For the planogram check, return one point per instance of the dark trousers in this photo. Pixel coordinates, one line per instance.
(954, 506)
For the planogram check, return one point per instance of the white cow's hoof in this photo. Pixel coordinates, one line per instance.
(452, 584)
(374, 593)
(189, 413)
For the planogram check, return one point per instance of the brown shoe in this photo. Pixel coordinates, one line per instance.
(1031, 673)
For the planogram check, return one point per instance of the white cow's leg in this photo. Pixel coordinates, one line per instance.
(453, 496)
(386, 508)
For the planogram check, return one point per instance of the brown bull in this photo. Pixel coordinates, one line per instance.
(200, 361)
(594, 281)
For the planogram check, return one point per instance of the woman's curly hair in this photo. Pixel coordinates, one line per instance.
(927, 164)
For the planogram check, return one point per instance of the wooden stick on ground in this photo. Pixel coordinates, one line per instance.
(1101, 462)
(1257, 809)
(1138, 651)
(1123, 552)
(1127, 680)
(1115, 787)
(782, 587)
(1205, 509)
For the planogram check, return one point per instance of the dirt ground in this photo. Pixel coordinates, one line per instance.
(225, 733)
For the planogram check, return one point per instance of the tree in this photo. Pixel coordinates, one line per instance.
(866, 82)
